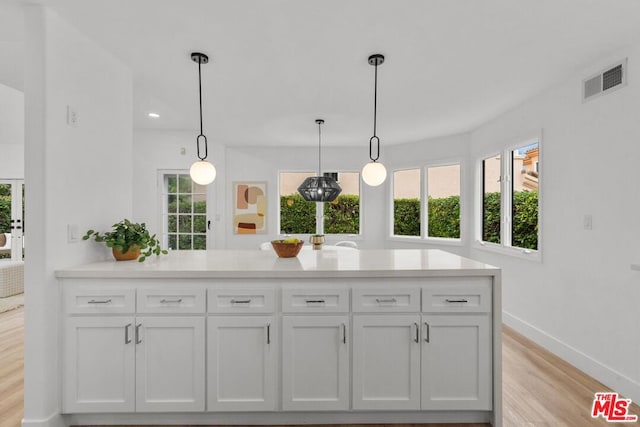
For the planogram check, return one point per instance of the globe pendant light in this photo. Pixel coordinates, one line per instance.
(319, 188)
(374, 173)
(202, 172)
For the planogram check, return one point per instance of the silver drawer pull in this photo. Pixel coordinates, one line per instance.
(268, 333)
(138, 339)
(127, 340)
(315, 301)
(386, 300)
(456, 300)
(98, 301)
(241, 301)
(171, 301)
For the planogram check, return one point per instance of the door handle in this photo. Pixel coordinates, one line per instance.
(344, 333)
(209, 225)
(427, 335)
(417, 332)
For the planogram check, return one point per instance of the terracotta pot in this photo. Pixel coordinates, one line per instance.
(131, 254)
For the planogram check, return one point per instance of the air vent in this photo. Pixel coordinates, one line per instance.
(611, 78)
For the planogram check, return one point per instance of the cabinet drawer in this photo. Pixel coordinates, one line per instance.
(309, 300)
(386, 300)
(171, 300)
(457, 297)
(253, 300)
(88, 300)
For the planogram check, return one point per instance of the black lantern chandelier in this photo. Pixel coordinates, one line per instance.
(202, 172)
(319, 188)
(374, 173)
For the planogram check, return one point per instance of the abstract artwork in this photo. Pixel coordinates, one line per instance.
(250, 207)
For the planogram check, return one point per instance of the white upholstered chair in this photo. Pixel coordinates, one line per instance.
(347, 243)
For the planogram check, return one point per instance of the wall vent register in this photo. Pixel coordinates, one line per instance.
(611, 78)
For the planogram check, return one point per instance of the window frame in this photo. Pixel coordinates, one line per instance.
(506, 200)
(424, 211)
(164, 214)
(320, 208)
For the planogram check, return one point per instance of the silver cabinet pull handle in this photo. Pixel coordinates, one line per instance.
(268, 333)
(241, 301)
(344, 333)
(99, 301)
(427, 335)
(315, 301)
(138, 340)
(456, 300)
(417, 333)
(386, 300)
(127, 339)
(171, 301)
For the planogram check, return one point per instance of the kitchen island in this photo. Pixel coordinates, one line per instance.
(244, 337)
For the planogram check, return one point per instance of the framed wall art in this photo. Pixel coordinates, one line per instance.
(250, 207)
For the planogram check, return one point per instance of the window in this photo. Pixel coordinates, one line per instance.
(406, 202)
(443, 201)
(524, 196)
(491, 206)
(342, 216)
(184, 213)
(297, 216)
(510, 205)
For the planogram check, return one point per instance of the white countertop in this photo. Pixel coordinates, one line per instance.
(265, 264)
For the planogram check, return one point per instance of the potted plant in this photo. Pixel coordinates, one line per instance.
(128, 241)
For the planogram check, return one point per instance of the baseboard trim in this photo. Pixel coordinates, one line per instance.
(606, 375)
(53, 420)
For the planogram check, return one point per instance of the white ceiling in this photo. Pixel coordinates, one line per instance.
(276, 65)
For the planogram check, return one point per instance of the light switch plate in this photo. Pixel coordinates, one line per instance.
(73, 233)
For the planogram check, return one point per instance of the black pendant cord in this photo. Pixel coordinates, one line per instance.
(204, 138)
(319, 150)
(375, 116)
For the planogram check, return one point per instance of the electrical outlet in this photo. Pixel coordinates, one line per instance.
(72, 116)
(587, 222)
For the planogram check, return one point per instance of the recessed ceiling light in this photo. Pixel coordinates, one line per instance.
(154, 115)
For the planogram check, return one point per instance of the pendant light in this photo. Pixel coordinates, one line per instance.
(202, 172)
(319, 188)
(374, 173)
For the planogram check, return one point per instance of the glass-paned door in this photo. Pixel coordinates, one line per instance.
(184, 212)
(12, 219)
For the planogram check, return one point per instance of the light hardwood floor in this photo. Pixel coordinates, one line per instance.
(540, 389)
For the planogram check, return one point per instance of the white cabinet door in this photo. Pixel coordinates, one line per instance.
(456, 362)
(386, 361)
(242, 363)
(99, 361)
(170, 364)
(315, 363)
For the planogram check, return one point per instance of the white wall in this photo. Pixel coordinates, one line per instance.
(582, 300)
(77, 176)
(11, 133)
